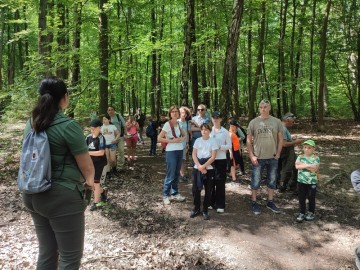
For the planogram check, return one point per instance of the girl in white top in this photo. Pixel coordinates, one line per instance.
(204, 152)
(173, 155)
(112, 136)
(223, 140)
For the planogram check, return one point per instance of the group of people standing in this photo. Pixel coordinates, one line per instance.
(269, 145)
(58, 213)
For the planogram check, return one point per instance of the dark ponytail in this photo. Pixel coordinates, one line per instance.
(51, 91)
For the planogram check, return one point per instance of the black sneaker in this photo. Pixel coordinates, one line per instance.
(206, 216)
(194, 213)
(93, 207)
(271, 205)
(255, 207)
(103, 195)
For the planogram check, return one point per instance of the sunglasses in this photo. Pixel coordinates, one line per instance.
(265, 101)
(201, 110)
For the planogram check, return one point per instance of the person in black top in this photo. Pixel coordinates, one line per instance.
(140, 119)
(96, 145)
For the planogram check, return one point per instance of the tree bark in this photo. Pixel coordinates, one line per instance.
(323, 44)
(158, 65)
(103, 58)
(62, 41)
(259, 62)
(184, 84)
(43, 46)
(10, 56)
(230, 67)
(75, 71)
(1, 46)
(312, 101)
(153, 60)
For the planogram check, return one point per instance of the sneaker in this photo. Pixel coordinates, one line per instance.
(255, 207)
(177, 197)
(272, 207)
(220, 210)
(166, 200)
(300, 217)
(211, 207)
(194, 213)
(93, 207)
(183, 178)
(309, 216)
(206, 216)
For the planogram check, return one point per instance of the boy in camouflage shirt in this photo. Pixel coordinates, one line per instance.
(308, 166)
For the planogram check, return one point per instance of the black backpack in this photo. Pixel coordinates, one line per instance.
(150, 132)
(244, 131)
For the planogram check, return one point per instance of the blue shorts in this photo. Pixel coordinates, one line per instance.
(271, 169)
(112, 146)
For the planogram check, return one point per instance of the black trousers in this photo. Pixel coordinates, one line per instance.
(218, 187)
(208, 184)
(306, 191)
(153, 145)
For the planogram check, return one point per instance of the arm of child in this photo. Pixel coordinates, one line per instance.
(98, 153)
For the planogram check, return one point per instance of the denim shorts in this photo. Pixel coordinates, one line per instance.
(271, 168)
(112, 146)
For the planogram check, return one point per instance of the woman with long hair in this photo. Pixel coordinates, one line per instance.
(58, 213)
(173, 135)
(131, 137)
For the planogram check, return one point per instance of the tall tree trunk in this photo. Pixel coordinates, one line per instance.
(153, 60)
(282, 92)
(2, 27)
(259, 62)
(291, 63)
(19, 42)
(43, 46)
(10, 55)
(62, 40)
(251, 95)
(194, 62)
(322, 85)
(158, 64)
(357, 118)
(75, 71)
(312, 101)
(230, 67)
(184, 84)
(103, 58)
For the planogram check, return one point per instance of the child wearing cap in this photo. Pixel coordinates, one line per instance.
(96, 146)
(308, 166)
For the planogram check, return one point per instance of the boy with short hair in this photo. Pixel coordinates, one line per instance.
(96, 146)
(308, 166)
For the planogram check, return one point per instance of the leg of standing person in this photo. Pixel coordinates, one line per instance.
(220, 179)
(271, 168)
(121, 153)
(255, 185)
(241, 163)
(302, 188)
(311, 197)
(170, 157)
(59, 225)
(207, 187)
(196, 195)
(174, 185)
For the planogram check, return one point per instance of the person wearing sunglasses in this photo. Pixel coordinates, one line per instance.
(196, 122)
(264, 144)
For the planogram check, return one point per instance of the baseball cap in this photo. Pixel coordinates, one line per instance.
(310, 142)
(95, 123)
(233, 122)
(288, 115)
(216, 114)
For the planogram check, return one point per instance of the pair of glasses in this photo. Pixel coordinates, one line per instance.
(200, 110)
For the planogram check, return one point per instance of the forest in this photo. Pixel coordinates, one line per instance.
(302, 55)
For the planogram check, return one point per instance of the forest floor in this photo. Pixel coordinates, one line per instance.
(136, 231)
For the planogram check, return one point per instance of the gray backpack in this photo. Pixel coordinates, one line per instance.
(35, 162)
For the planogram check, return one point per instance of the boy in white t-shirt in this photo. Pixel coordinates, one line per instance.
(204, 153)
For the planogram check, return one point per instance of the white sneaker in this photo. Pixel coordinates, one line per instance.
(178, 198)
(220, 210)
(166, 200)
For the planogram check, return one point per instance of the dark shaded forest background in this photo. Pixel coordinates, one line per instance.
(302, 55)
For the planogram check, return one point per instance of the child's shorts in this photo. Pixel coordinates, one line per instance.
(111, 146)
(100, 171)
(131, 139)
(236, 159)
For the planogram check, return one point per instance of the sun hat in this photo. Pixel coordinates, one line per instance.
(95, 123)
(310, 142)
(216, 114)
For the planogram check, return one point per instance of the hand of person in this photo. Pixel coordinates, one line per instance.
(89, 186)
(299, 141)
(254, 160)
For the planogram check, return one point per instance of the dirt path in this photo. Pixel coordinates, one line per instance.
(136, 231)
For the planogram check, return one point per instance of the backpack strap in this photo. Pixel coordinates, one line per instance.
(122, 129)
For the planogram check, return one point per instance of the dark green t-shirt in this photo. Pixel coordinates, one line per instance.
(66, 140)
